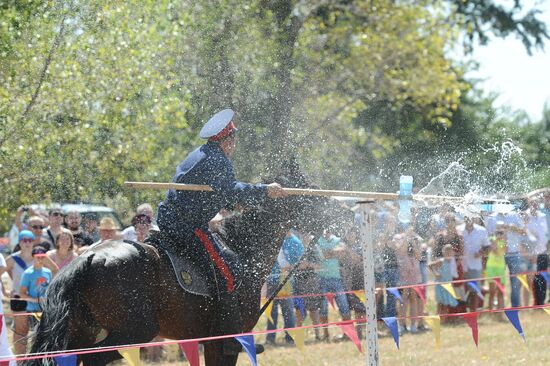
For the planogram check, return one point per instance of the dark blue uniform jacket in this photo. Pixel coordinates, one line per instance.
(183, 211)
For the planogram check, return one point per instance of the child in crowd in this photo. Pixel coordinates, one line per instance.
(444, 270)
(35, 280)
(408, 258)
(496, 267)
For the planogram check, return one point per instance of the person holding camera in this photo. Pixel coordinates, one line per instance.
(16, 264)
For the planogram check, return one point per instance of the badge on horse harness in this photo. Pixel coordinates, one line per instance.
(186, 277)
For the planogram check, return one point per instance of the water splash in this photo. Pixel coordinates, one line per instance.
(451, 182)
(495, 171)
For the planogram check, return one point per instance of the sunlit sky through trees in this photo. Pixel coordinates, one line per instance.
(520, 80)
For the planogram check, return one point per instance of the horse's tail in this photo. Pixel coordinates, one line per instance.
(62, 297)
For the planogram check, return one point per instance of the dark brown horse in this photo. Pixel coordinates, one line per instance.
(130, 291)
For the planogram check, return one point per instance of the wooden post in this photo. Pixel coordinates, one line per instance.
(366, 229)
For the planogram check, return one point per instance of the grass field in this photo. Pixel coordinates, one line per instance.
(499, 344)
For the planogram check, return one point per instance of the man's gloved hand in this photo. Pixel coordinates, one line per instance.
(274, 190)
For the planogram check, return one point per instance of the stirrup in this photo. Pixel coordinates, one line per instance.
(233, 347)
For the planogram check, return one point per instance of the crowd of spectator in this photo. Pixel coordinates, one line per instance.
(439, 244)
(478, 251)
(46, 242)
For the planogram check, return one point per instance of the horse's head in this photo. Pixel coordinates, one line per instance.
(308, 213)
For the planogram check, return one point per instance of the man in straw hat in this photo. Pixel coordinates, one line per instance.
(108, 229)
(183, 216)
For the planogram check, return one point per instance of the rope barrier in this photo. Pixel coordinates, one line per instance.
(411, 286)
(81, 351)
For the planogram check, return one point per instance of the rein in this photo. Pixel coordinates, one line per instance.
(290, 273)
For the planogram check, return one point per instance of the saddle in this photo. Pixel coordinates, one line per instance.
(195, 274)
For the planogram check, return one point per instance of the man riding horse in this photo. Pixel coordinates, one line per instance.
(183, 216)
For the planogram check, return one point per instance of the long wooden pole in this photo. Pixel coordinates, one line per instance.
(371, 333)
(299, 192)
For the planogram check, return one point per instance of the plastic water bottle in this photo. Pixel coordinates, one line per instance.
(405, 192)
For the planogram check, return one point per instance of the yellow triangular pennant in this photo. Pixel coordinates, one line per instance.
(299, 336)
(450, 289)
(547, 310)
(131, 355)
(268, 311)
(435, 323)
(361, 295)
(523, 279)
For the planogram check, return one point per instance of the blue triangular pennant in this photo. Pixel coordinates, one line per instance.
(476, 288)
(391, 323)
(249, 346)
(299, 304)
(546, 277)
(68, 360)
(514, 319)
(395, 292)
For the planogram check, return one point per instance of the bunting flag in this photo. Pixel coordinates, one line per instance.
(299, 336)
(546, 310)
(7, 363)
(514, 319)
(546, 276)
(1, 323)
(395, 292)
(500, 286)
(471, 320)
(68, 360)
(300, 305)
(435, 323)
(191, 351)
(330, 298)
(473, 285)
(131, 355)
(450, 289)
(420, 290)
(268, 310)
(391, 323)
(523, 279)
(351, 332)
(361, 295)
(247, 342)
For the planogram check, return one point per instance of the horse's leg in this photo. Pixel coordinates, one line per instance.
(99, 359)
(214, 356)
(124, 305)
(130, 335)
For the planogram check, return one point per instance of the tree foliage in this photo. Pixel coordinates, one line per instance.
(480, 18)
(93, 94)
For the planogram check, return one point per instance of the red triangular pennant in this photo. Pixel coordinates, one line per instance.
(471, 320)
(191, 350)
(1, 324)
(330, 298)
(351, 332)
(420, 291)
(500, 286)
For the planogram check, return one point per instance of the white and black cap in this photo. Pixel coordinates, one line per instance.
(219, 125)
